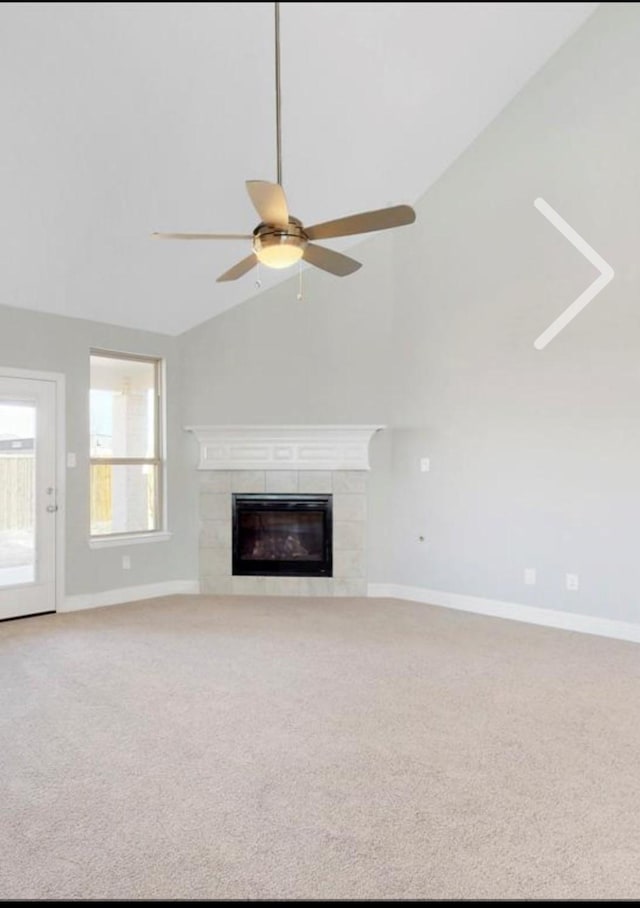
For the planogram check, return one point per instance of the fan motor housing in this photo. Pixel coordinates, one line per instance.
(277, 246)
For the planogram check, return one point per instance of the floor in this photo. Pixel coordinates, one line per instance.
(218, 748)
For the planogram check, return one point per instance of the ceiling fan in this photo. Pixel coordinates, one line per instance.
(280, 240)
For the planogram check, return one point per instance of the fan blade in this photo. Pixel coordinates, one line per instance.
(269, 201)
(328, 260)
(365, 222)
(202, 236)
(239, 269)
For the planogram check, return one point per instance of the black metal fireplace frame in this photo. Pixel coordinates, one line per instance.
(282, 568)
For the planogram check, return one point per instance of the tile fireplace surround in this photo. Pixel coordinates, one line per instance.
(284, 459)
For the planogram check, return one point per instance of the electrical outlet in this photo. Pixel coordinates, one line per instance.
(572, 582)
(530, 576)
(126, 562)
(425, 465)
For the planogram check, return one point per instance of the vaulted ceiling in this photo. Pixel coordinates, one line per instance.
(119, 119)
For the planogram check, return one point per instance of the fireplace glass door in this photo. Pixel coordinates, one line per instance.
(282, 535)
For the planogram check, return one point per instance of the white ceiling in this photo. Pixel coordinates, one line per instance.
(119, 119)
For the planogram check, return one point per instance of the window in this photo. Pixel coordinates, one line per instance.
(125, 444)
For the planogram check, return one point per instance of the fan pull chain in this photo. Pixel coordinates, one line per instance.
(300, 290)
(258, 278)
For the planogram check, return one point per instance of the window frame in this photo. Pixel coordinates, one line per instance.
(158, 461)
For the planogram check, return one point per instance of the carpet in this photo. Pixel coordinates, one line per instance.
(264, 748)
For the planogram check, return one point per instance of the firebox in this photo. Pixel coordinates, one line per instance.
(282, 535)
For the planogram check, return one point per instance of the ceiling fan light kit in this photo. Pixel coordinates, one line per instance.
(279, 247)
(281, 240)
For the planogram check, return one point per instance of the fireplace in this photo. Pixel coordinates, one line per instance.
(282, 535)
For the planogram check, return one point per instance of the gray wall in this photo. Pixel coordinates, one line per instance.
(279, 359)
(323, 359)
(30, 340)
(534, 454)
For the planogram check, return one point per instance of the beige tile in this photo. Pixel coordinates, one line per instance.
(216, 534)
(215, 562)
(350, 481)
(349, 587)
(247, 481)
(314, 481)
(349, 507)
(215, 586)
(318, 586)
(249, 586)
(215, 481)
(349, 535)
(281, 481)
(285, 586)
(215, 506)
(349, 565)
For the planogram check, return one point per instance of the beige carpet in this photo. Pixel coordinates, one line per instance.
(289, 748)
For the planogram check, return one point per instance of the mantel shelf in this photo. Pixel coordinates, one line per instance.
(284, 447)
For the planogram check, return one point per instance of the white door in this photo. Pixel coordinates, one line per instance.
(28, 505)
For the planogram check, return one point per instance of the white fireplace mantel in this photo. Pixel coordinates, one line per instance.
(284, 447)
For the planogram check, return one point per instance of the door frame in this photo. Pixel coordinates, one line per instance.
(59, 383)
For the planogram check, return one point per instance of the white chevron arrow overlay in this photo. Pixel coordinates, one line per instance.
(606, 274)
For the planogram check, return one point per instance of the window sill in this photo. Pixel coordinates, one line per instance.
(107, 542)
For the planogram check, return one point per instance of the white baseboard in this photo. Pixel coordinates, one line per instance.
(130, 594)
(568, 621)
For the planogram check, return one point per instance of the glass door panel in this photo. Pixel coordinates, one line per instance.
(28, 497)
(17, 492)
